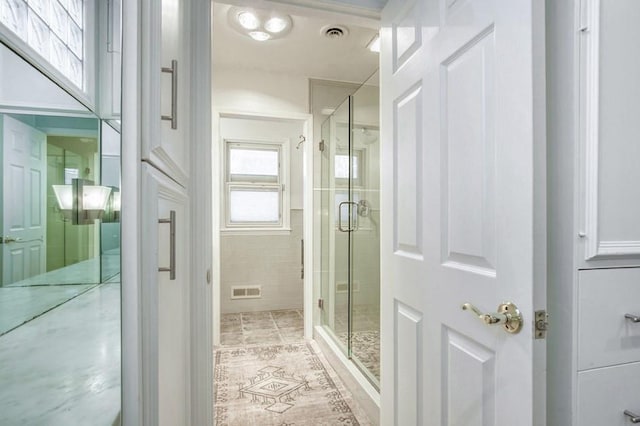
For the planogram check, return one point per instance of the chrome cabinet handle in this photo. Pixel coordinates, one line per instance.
(353, 224)
(632, 318)
(508, 316)
(633, 418)
(172, 245)
(174, 94)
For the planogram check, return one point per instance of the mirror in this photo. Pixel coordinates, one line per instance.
(59, 254)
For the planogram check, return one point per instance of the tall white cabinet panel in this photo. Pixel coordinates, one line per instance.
(609, 127)
(593, 98)
(166, 68)
(166, 281)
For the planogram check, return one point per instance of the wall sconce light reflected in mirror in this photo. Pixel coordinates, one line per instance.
(82, 202)
(112, 210)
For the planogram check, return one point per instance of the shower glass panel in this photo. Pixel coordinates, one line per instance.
(350, 209)
(365, 240)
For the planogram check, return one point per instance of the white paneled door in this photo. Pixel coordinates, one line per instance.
(463, 148)
(23, 200)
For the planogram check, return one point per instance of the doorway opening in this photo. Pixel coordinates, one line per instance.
(299, 76)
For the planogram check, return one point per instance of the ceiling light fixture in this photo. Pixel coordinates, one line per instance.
(248, 20)
(275, 25)
(374, 44)
(259, 35)
(260, 25)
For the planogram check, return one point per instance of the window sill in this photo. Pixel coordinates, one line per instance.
(255, 231)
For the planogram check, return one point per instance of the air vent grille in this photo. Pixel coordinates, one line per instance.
(246, 292)
(335, 31)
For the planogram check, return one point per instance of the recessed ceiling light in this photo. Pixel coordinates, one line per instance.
(248, 20)
(259, 35)
(260, 25)
(275, 25)
(374, 44)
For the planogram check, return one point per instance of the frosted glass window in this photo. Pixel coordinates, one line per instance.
(59, 55)
(70, 174)
(54, 29)
(255, 193)
(59, 21)
(13, 14)
(254, 206)
(75, 39)
(41, 7)
(245, 164)
(341, 167)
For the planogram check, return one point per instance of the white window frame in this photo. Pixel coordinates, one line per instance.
(87, 94)
(282, 186)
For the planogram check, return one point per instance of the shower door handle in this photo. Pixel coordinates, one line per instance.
(172, 245)
(173, 70)
(353, 221)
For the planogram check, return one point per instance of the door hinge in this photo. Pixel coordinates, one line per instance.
(541, 324)
(321, 303)
(321, 145)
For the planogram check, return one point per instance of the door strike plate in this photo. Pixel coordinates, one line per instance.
(541, 324)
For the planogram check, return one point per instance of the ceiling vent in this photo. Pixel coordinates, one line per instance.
(335, 31)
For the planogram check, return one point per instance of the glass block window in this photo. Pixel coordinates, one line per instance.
(52, 28)
(254, 180)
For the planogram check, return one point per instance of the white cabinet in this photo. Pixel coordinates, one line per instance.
(593, 105)
(166, 373)
(166, 285)
(604, 394)
(166, 69)
(165, 213)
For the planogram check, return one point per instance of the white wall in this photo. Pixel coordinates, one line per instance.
(259, 91)
(23, 86)
(271, 261)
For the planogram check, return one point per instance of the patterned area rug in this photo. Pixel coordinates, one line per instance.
(280, 385)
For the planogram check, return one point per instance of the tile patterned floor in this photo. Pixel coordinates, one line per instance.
(267, 375)
(266, 327)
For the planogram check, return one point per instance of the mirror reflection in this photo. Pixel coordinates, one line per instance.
(59, 255)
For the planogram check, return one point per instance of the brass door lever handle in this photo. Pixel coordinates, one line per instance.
(508, 315)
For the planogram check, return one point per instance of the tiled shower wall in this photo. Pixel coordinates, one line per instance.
(271, 261)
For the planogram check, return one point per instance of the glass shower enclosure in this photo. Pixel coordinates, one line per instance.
(350, 234)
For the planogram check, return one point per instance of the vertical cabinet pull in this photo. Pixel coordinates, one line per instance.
(174, 94)
(172, 245)
(633, 418)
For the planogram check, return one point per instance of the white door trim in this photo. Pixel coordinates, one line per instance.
(307, 121)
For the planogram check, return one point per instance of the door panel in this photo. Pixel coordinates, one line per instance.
(460, 122)
(408, 112)
(24, 174)
(167, 87)
(167, 308)
(609, 129)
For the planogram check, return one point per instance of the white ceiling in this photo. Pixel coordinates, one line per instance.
(305, 51)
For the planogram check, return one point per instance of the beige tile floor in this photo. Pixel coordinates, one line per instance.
(266, 327)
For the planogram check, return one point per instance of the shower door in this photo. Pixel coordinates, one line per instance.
(349, 228)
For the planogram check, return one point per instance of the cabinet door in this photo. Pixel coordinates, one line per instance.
(165, 294)
(609, 127)
(166, 86)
